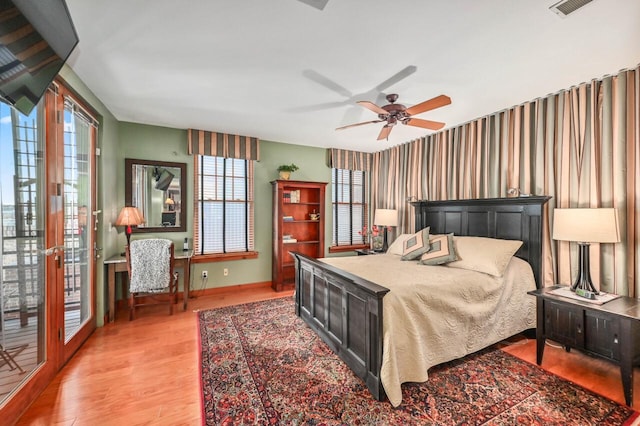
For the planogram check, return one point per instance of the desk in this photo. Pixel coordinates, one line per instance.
(118, 263)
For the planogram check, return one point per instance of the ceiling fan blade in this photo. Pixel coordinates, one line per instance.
(326, 82)
(358, 124)
(434, 103)
(404, 73)
(426, 124)
(318, 4)
(384, 133)
(373, 107)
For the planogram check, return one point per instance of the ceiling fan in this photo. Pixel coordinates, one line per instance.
(397, 113)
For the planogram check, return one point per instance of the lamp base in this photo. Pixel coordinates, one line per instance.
(583, 286)
(385, 243)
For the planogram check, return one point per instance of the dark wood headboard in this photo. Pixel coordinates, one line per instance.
(518, 218)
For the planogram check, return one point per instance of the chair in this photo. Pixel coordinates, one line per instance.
(151, 276)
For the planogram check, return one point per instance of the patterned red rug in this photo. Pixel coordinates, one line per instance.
(262, 365)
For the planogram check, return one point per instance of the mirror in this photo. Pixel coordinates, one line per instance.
(156, 189)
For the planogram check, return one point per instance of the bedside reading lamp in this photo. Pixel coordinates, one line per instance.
(384, 218)
(128, 217)
(585, 226)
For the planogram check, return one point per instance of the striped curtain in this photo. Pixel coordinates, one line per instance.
(580, 146)
(349, 160)
(202, 142)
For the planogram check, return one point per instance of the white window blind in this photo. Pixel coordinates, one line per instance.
(350, 209)
(224, 207)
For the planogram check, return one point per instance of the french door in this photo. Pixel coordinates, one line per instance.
(47, 240)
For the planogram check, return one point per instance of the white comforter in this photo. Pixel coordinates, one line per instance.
(435, 314)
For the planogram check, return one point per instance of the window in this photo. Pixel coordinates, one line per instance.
(224, 210)
(350, 209)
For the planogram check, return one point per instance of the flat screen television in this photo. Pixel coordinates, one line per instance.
(36, 39)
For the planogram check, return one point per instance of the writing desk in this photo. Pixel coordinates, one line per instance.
(118, 263)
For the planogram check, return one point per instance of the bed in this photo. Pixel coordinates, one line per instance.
(343, 299)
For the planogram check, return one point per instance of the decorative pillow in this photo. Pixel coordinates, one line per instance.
(416, 245)
(488, 255)
(442, 250)
(397, 246)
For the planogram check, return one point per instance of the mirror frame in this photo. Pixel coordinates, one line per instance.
(128, 189)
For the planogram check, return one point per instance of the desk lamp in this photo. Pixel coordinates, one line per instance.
(585, 226)
(129, 217)
(385, 218)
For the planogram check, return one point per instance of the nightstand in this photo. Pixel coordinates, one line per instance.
(610, 331)
(365, 252)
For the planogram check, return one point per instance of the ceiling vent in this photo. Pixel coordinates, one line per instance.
(566, 7)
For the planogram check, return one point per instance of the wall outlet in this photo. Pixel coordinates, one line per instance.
(205, 274)
(225, 272)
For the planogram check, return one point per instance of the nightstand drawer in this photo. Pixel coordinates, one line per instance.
(602, 334)
(564, 323)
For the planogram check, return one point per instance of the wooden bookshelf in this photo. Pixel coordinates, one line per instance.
(293, 229)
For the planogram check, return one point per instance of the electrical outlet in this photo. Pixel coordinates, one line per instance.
(205, 274)
(225, 272)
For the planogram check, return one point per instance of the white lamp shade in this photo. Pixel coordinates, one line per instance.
(386, 217)
(586, 225)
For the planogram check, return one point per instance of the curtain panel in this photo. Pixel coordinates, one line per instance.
(202, 142)
(349, 160)
(580, 146)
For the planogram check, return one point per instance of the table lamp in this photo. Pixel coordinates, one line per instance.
(585, 226)
(385, 218)
(128, 217)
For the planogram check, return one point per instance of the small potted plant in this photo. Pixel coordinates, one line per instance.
(285, 170)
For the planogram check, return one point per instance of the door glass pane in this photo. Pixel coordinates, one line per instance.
(22, 262)
(77, 236)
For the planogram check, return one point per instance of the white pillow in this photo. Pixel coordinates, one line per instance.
(397, 246)
(488, 255)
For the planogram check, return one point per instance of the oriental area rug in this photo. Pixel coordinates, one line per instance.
(260, 364)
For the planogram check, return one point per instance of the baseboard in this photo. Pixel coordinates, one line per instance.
(214, 291)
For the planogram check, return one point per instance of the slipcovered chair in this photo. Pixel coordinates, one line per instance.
(151, 276)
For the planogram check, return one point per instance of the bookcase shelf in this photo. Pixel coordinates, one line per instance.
(293, 203)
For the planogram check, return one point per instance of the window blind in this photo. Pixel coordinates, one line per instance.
(350, 209)
(224, 207)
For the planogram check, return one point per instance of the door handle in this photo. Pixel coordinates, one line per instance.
(96, 251)
(53, 250)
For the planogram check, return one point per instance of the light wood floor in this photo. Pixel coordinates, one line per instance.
(146, 371)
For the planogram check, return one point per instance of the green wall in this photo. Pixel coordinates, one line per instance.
(119, 140)
(160, 143)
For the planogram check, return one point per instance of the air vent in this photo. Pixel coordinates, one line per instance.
(566, 7)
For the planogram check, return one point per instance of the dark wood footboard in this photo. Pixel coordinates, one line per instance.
(346, 312)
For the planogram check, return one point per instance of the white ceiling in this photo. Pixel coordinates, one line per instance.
(284, 71)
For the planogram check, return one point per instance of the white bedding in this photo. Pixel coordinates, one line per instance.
(435, 314)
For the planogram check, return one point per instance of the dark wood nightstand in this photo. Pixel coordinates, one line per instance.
(610, 331)
(365, 252)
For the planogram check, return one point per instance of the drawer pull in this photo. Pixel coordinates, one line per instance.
(615, 339)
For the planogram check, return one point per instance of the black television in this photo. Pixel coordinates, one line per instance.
(163, 179)
(36, 39)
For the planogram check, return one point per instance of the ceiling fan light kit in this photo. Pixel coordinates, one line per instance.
(393, 113)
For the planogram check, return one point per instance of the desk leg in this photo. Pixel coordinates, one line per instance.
(111, 278)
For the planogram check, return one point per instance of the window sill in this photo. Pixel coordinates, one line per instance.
(342, 249)
(220, 257)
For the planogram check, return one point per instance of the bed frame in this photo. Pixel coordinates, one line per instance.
(346, 310)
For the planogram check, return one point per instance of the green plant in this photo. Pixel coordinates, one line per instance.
(288, 168)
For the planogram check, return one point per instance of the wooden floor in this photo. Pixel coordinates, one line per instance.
(146, 371)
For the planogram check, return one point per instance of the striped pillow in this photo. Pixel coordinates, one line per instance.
(416, 245)
(442, 251)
